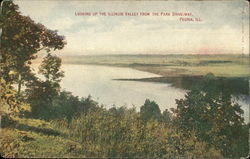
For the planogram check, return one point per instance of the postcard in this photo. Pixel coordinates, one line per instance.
(124, 79)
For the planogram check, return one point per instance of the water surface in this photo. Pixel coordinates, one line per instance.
(98, 81)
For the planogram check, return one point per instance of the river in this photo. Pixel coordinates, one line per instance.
(97, 81)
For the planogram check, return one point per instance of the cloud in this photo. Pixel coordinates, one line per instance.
(219, 32)
(36, 10)
(129, 37)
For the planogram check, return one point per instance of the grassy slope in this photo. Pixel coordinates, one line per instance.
(27, 135)
(173, 65)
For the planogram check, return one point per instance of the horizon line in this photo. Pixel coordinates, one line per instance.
(143, 54)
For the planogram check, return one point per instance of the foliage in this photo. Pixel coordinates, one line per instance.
(93, 131)
(120, 132)
(21, 39)
(150, 110)
(50, 68)
(167, 117)
(8, 101)
(210, 112)
(48, 106)
(41, 93)
(65, 105)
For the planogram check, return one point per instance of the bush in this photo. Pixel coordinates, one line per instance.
(120, 132)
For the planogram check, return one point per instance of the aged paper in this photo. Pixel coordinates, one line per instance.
(156, 79)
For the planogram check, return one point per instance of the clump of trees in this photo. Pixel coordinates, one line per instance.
(188, 131)
(21, 40)
(121, 132)
(208, 109)
(40, 93)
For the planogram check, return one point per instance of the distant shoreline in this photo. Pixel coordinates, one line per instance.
(172, 65)
(182, 71)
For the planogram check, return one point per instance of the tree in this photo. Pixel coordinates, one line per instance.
(41, 93)
(50, 68)
(22, 38)
(150, 110)
(209, 111)
(166, 116)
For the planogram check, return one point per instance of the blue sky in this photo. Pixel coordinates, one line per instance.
(223, 29)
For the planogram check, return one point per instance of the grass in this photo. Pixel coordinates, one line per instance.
(36, 138)
(225, 70)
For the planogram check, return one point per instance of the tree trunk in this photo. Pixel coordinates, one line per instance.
(19, 84)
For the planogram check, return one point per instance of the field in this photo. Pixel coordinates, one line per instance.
(172, 65)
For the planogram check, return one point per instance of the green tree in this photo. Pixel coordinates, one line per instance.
(209, 110)
(41, 93)
(150, 110)
(67, 105)
(22, 38)
(166, 116)
(50, 68)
